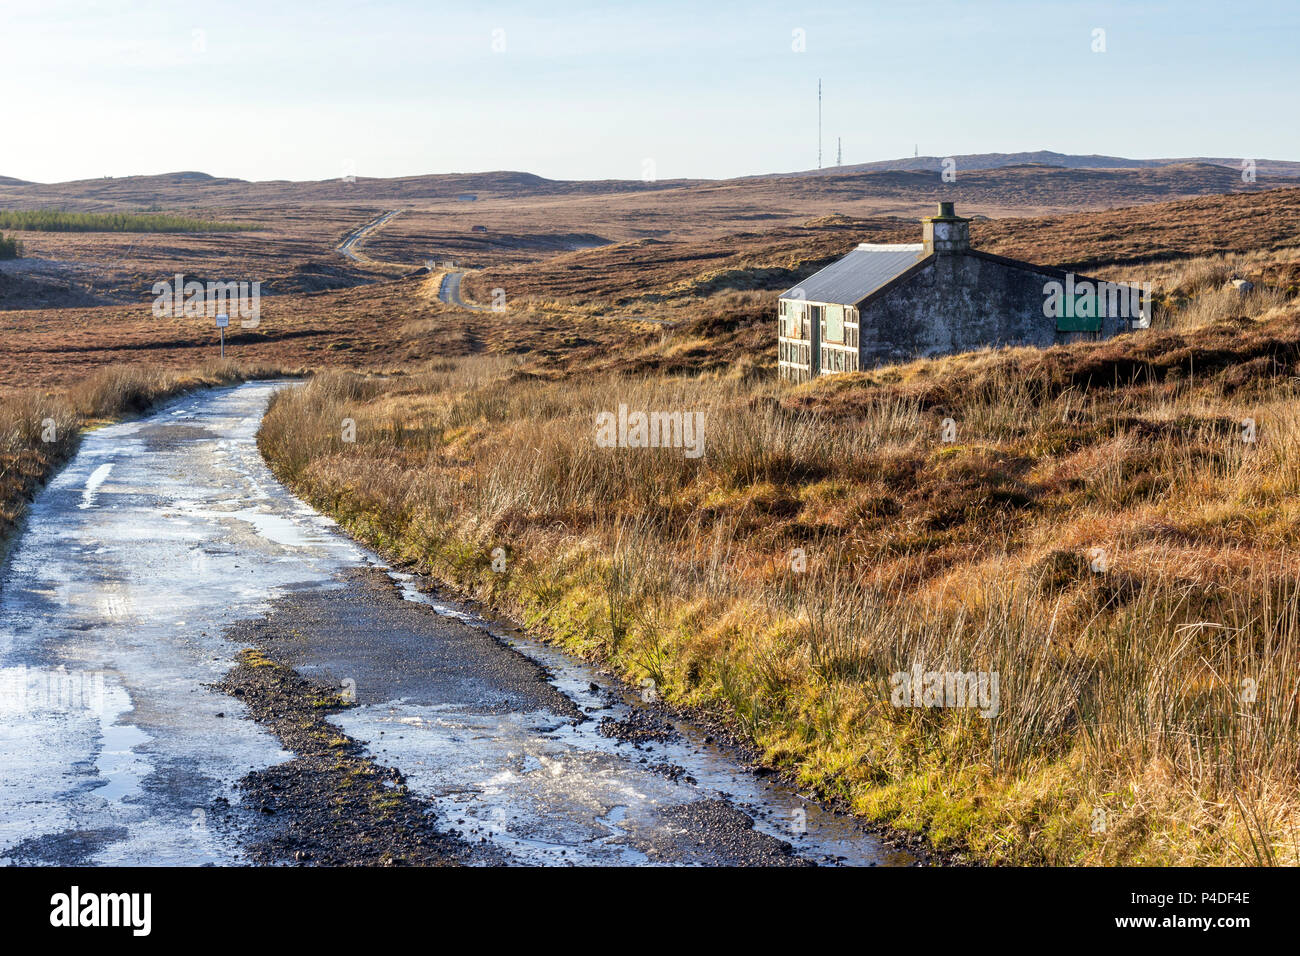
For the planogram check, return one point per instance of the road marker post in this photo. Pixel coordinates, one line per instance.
(223, 320)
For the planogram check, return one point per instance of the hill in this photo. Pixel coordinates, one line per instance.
(657, 276)
(1048, 179)
(1046, 157)
(181, 190)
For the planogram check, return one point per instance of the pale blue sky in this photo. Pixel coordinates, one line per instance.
(312, 90)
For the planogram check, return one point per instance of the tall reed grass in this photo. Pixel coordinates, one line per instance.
(1149, 688)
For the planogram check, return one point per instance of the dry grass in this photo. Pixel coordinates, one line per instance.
(1124, 691)
(1144, 243)
(37, 433)
(376, 327)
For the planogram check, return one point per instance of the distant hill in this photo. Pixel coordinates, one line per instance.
(189, 188)
(1045, 157)
(1022, 189)
(1041, 180)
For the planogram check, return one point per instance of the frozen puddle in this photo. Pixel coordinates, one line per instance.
(516, 781)
(549, 789)
(156, 536)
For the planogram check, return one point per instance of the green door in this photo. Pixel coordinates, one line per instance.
(1080, 314)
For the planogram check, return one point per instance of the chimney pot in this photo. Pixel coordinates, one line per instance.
(947, 232)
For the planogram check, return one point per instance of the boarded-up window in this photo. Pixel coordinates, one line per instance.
(793, 320)
(834, 323)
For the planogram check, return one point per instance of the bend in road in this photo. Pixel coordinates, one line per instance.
(348, 247)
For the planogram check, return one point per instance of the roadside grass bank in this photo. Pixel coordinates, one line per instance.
(41, 429)
(1108, 530)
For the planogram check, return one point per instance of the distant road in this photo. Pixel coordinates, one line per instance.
(449, 292)
(347, 248)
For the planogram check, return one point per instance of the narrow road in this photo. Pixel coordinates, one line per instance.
(449, 291)
(348, 247)
(166, 547)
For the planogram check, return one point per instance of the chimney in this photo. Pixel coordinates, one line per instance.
(946, 232)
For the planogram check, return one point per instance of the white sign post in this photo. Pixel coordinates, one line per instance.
(223, 320)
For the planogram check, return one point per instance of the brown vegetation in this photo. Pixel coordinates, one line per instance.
(1100, 533)
(1138, 243)
(1122, 681)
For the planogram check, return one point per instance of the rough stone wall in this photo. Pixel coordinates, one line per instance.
(958, 303)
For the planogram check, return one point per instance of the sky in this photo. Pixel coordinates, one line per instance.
(282, 89)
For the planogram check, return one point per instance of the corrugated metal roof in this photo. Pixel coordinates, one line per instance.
(863, 271)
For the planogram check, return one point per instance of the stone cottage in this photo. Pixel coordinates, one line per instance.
(889, 303)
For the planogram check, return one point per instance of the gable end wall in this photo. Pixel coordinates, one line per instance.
(958, 303)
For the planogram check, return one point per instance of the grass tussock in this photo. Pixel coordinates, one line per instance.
(1112, 530)
(119, 390)
(38, 433)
